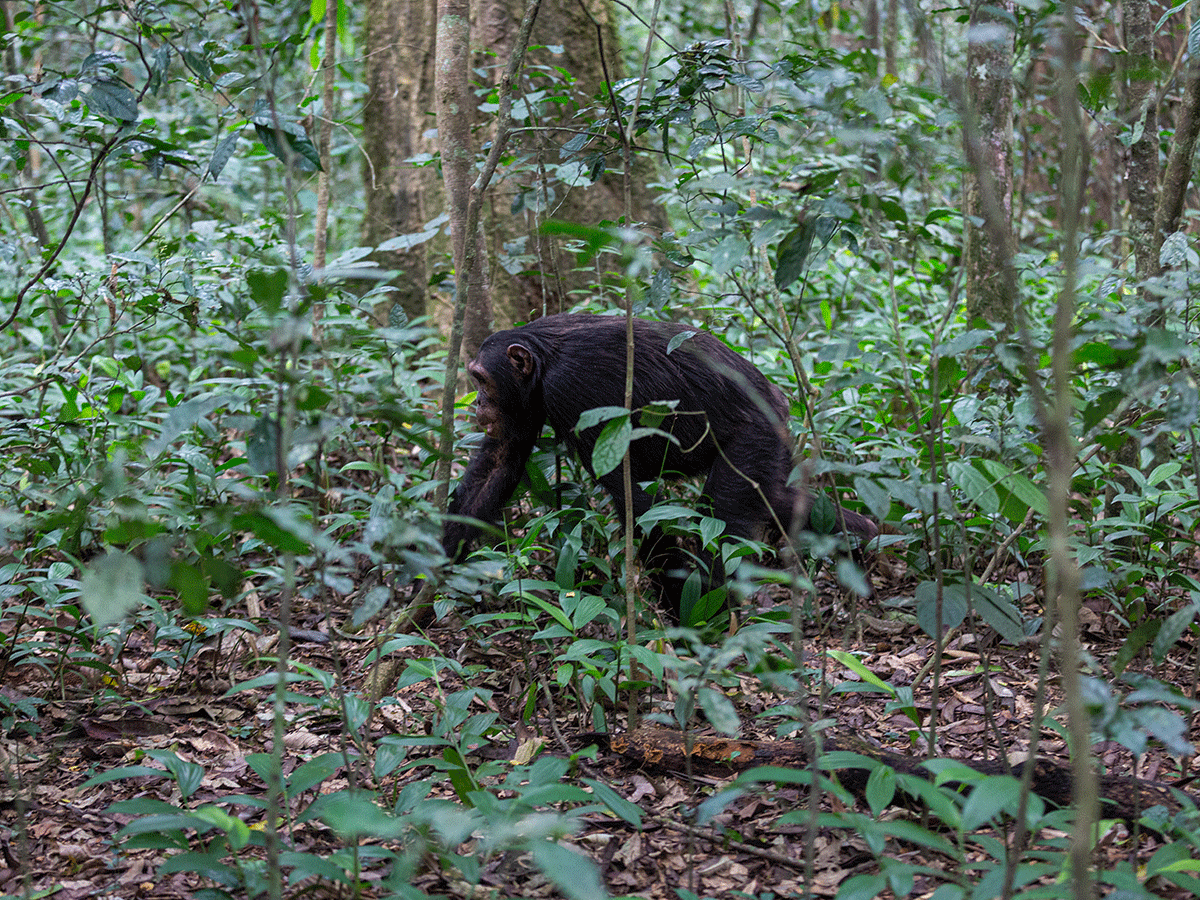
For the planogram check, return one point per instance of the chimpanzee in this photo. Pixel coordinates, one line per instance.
(729, 422)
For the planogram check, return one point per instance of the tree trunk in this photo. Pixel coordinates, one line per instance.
(988, 185)
(455, 108)
(535, 275)
(397, 119)
(527, 273)
(1141, 174)
(1183, 148)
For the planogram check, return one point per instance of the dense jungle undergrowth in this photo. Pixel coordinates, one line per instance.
(218, 491)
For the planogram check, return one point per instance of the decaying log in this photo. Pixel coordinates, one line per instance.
(1123, 796)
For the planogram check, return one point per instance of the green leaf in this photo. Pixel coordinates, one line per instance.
(975, 486)
(192, 587)
(968, 340)
(612, 445)
(1170, 632)
(855, 665)
(822, 516)
(223, 153)
(1101, 407)
(267, 288)
(622, 808)
(593, 417)
(990, 797)
(111, 587)
(998, 611)
(123, 772)
(710, 529)
(236, 831)
(586, 610)
(1162, 472)
(659, 294)
(876, 497)
(1017, 493)
(793, 254)
(881, 788)
(954, 606)
(729, 253)
(592, 237)
(313, 773)
(862, 887)
(573, 873)
(301, 866)
(289, 145)
(719, 710)
(356, 815)
(188, 775)
(208, 865)
(851, 575)
(269, 531)
(113, 99)
(183, 417)
(262, 446)
(678, 338)
(1137, 638)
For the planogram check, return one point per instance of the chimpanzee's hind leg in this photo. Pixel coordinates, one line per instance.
(748, 497)
(658, 552)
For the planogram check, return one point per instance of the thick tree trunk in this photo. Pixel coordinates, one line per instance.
(528, 273)
(988, 133)
(401, 198)
(535, 274)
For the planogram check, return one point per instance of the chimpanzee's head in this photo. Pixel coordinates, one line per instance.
(506, 378)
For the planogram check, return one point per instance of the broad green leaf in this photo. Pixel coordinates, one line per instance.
(731, 252)
(998, 611)
(862, 887)
(1162, 472)
(113, 99)
(988, 798)
(313, 772)
(975, 486)
(875, 497)
(622, 808)
(236, 831)
(123, 772)
(1017, 493)
(611, 446)
(192, 587)
(719, 710)
(268, 287)
(881, 788)
(224, 152)
(677, 340)
(268, 530)
(181, 418)
(954, 606)
(793, 254)
(111, 587)
(592, 417)
(573, 873)
(288, 143)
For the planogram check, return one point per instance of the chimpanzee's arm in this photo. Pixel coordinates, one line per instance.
(492, 476)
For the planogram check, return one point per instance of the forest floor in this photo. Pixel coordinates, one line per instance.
(59, 839)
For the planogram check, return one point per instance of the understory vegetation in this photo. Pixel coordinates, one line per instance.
(217, 496)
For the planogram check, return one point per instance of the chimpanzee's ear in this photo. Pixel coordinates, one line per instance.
(522, 361)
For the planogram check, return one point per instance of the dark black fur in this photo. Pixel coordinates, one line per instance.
(558, 367)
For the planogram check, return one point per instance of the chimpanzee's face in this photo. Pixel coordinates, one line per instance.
(487, 408)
